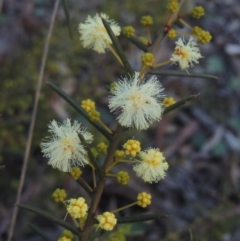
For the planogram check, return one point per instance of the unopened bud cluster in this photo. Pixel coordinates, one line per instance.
(144, 199)
(107, 221)
(59, 195)
(173, 6)
(128, 31)
(198, 12)
(146, 21)
(88, 105)
(123, 177)
(172, 34)
(66, 236)
(147, 59)
(102, 147)
(76, 173)
(119, 154)
(132, 147)
(202, 35)
(168, 101)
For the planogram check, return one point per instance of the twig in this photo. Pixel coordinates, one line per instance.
(33, 119)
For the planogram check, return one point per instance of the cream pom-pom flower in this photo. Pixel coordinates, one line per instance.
(137, 101)
(186, 53)
(64, 149)
(94, 35)
(152, 165)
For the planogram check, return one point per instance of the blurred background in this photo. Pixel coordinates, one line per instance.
(201, 141)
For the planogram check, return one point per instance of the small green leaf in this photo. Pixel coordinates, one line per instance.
(118, 47)
(140, 218)
(66, 11)
(181, 73)
(179, 104)
(79, 109)
(157, 42)
(90, 155)
(39, 232)
(50, 217)
(190, 233)
(138, 43)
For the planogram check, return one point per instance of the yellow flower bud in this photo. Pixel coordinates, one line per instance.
(132, 147)
(94, 115)
(76, 173)
(123, 177)
(146, 21)
(88, 105)
(107, 221)
(173, 6)
(198, 12)
(147, 59)
(67, 234)
(59, 195)
(168, 101)
(172, 34)
(119, 154)
(144, 199)
(77, 208)
(203, 36)
(128, 31)
(102, 147)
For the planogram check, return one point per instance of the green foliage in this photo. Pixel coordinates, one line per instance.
(50, 217)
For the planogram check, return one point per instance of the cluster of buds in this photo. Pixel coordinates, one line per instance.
(197, 12)
(137, 102)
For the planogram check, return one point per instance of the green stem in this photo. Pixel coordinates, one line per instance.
(115, 54)
(185, 23)
(111, 175)
(124, 207)
(111, 166)
(100, 185)
(104, 126)
(183, 33)
(85, 185)
(161, 64)
(149, 35)
(94, 176)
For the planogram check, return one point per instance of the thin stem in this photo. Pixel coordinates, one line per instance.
(101, 183)
(104, 126)
(162, 64)
(86, 184)
(33, 120)
(142, 71)
(111, 166)
(94, 176)
(128, 161)
(111, 175)
(115, 54)
(149, 35)
(183, 33)
(185, 23)
(124, 207)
